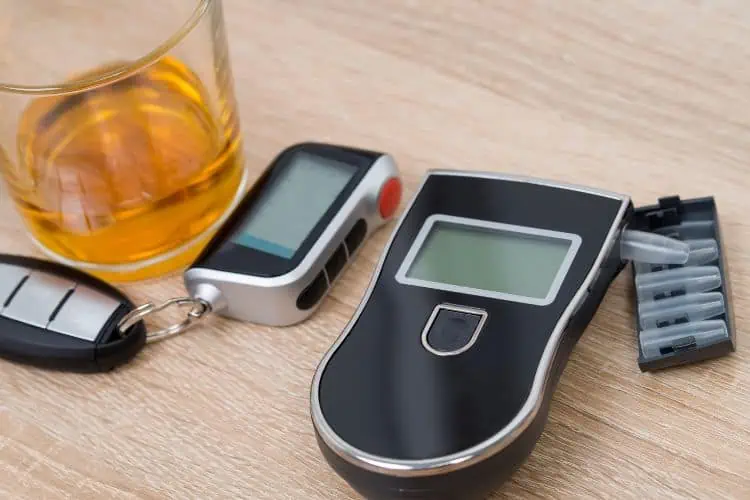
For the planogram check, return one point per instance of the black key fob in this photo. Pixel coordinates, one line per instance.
(56, 317)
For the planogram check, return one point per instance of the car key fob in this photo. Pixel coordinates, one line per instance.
(56, 317)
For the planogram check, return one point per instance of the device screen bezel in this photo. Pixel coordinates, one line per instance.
(222, 254)
(573, 240)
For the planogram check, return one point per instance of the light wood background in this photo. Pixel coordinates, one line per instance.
(647, 98)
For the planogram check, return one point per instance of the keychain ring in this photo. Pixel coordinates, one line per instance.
(198, 309)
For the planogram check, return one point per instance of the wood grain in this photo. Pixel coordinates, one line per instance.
(647, 98)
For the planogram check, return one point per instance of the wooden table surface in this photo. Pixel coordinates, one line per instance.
(645, 98)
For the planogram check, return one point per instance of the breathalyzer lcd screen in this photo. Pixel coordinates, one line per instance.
(517, 263)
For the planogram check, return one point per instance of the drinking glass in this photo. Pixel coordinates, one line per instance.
(119, 132)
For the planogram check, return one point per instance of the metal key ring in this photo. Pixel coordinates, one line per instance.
(198, 309)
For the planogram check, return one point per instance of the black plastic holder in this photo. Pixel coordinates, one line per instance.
(677, 312)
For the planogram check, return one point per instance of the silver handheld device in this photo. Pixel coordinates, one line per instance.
(295, 232)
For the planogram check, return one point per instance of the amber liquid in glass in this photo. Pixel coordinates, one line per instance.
(130, 171)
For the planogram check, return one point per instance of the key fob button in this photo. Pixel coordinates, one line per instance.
(37, 298)
(84, 314)
(10, 277)
(60, 318)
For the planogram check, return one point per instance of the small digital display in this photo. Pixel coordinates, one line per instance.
(293, 204)
(492, 259)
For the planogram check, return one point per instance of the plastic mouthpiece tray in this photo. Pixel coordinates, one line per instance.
(684, 311)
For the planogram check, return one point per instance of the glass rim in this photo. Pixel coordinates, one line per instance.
(120, 72)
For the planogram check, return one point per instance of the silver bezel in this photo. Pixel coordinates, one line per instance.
(424, 232)
(532, 405)
(452, 307)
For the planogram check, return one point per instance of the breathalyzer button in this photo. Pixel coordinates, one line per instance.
(389, 197)
(452, 331)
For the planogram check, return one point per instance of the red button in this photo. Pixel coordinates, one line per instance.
(389, 198)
